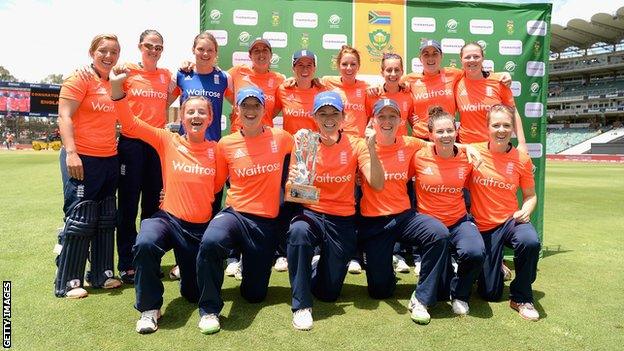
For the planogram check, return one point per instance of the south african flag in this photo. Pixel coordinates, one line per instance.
(379, 17)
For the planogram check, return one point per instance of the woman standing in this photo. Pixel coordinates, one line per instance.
(149, 91)
(254, 158)
(330, 223)
(89, 169)
(189, 170)
(493, 188)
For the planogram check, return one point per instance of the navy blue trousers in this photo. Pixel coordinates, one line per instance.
(100, 180)
(255, 237)
(158, 235)
(379, 234)
(523, 239)
(140, 176)
(337, 240)
(466, 245)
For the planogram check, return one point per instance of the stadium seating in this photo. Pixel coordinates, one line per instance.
(558, 140)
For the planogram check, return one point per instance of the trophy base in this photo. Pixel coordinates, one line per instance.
(304, 194)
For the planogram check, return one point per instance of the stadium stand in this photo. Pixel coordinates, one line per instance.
(586, 89)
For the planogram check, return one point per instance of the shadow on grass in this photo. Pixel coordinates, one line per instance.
(242, 313)
(551, 250)
(177, 313)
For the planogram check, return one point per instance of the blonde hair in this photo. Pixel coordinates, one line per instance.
(193, 98)
(506, 109)
(95, 42)
(206, 35)
(346, 49)
(437, 113)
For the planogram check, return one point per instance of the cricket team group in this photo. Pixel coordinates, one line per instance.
(391, 166)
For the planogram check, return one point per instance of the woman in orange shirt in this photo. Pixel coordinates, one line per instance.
(493, 187)
(254, 158)
(189, 172)
(442, 172)
(330, 223)
(89, 170)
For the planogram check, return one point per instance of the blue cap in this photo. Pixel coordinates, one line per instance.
(328, 98)
(430, 43)
(249, 91)
(381, 103)
(301, 54)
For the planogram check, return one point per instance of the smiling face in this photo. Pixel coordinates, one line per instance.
(472, 59)
(260, 56)
(431, 59)
(251, 111)
(304, 69)
(196, 116)
(151, 48)
(500, 127)
(443, 132)
(349, 66)
(387, 122)
(392, 71)
(105, 56)
(329, 120)
(205, 53)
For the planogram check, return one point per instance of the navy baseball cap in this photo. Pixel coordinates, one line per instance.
(328, 98)
(381, 103)
(260, 41)
(430, 43)
(301, 54)
(250, 91)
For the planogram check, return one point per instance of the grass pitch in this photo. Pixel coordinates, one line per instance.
(578, 290)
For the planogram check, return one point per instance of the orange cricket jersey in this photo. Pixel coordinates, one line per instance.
(494, 185)
(189, 170)
(254, 165)
(474, 97)
(297, 105)
(354, 98)
(95, 119)
(147, 95)
(336, 166)
(431, 90)
(395, 160)
(403, 99)
(243, 76)
(440, 183)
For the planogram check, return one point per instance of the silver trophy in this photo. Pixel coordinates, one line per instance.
(301, 189)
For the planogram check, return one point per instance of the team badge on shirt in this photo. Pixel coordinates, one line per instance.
(211, 154)
(162, 78)
(343, 157)
(216, 79)
(461, 173)
(510, 168)
(489, 91)
(358, 92)
(401, 156)
(274, 146)
(270, 83)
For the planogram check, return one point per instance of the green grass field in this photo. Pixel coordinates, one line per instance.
(578, 290)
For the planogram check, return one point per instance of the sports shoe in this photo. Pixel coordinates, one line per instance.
(232, 267)
(460, 307)
(302, 319)
(454, 264)
(355, 267)
(174, 273)
(148, 323)
(417, 268)
(506, 272)
(76, 291)
(127, 277)
(399, 264)
(315, 261)
(418, 311)
(281, 264)
(209, 323)
(526, 310)
(111, 283)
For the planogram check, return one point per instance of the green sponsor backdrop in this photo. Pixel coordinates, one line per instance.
(516, 38)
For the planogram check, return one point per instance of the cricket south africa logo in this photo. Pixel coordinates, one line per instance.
(451, 25)
(379, 42)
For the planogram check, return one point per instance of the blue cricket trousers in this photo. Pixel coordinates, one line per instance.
(522, 238)
(158, 235)
(255, 237)
(379, 234)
